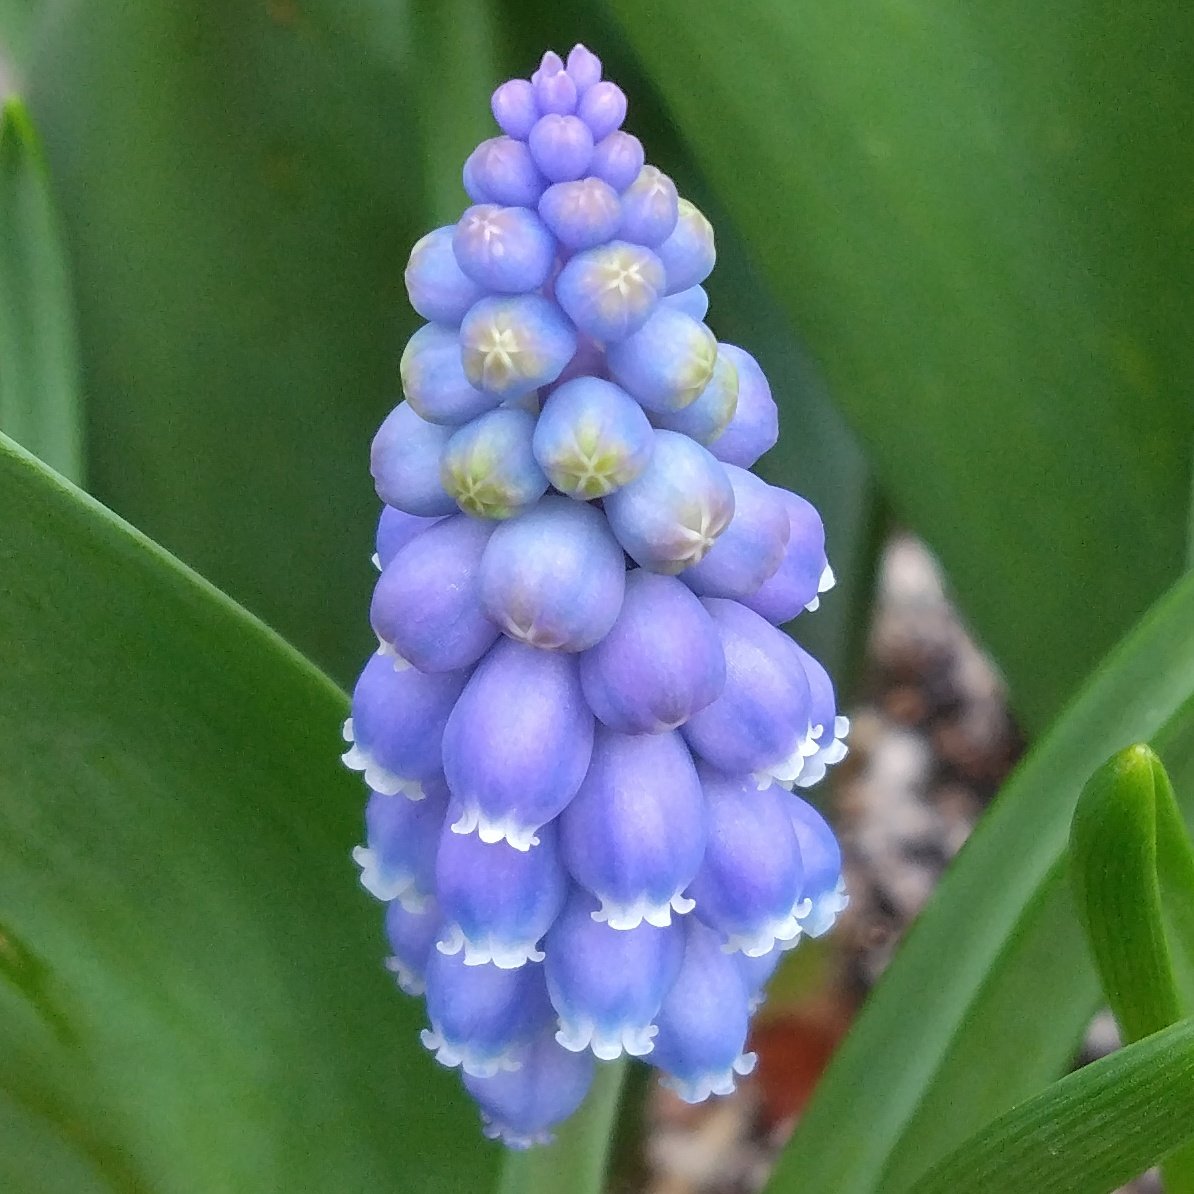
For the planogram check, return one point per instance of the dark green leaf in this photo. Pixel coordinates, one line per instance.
(192, 995)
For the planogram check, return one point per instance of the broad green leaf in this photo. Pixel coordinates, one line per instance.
(1088, 1133)
(192, 995)
(978, 219)
(39, 367)
(998, 955)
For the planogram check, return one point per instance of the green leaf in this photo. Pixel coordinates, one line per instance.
(39, 369)
(193, 996)
(998, 954)
(983, 236)
(1088, 1133)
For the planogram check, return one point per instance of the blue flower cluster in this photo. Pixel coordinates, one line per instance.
(582, 727)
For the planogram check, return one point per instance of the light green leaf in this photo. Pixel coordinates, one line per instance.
(1088, 1133)
(192, 995)
(39, 368)
(983, 235)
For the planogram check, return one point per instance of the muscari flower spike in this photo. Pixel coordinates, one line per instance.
(582, 728)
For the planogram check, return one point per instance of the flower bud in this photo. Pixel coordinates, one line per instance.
(693, 302)
(650, 208)
(592, 438)
(666, 363)
(555, 91)
(618, 159)
(584, 67)
(489, 468)
(412, 939)
(554, 577)
(517, 744)
(611, 291)
(405, 462)
(395, 529)
(581, 213)
(824, 886)
(511, 346)
(433, 378)
(437, 287)
(602, 108)
(514, 108)
(402, 837)
(802, 572)
(689, 253)
(506, 249)
(754, 429)
(607, 985)
(669, 517)
(634, 833)
(562, 146)
(706, 418)
(661, 662)
(501, 170)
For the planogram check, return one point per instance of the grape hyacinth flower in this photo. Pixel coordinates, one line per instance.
(582, 728)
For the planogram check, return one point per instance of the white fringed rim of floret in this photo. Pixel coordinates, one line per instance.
(379, 778)
(626, 916)
(783, 932)
(505, 955)
(388, 884)
(472, 1061)
(825, 909)
(607, 1043)
(492, 830)
(717, 1082)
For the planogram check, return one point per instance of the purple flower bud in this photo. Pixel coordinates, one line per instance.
(694, 302)
(488, 466)
(661, 662)
(554, 576)
(751, 547)
(501, 170)
(550, 64)
(514, 108)
(706, 418)
(562, 146)
(754, 428)
(670, 516)
(433, 378)
(824, 886)
(635, 832)
(395, 529)
(584, 67)
(402, 836)
(397, 725)
(582, 213)
(760, 723)
(829, 730)
(607, 985)
(702, 1027)
(804, 570)
(650, 208)
(602, 108)
(412, 939)
(611, 291)
(689, 253)
(405, 462)
(519, 1107)
(481, 1016)
(511, 346)
(667, 362)
(497, 902)
(618, 159)
(555, 91)
(750, 884)
(427, 607)
(592, 438)
(518, 743)
(506, 249)
(438, 288)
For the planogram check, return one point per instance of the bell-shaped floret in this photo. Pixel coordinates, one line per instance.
(511, 346)
(436, 285)
(433, 378)
(750, 884)
(501, 170)
(689, 253)
(555, 89)
(829, 728)
(694, 302)
(650, 208)
(761, 721)
(824, 886)
(669, 517)
(635, 832)
(514, 108)
(703, 1023)
(412, 941)
(583, 67)
(661, 662)
(610, 291)
(427, 606)
(706, 418)
(505, 249)
(497, 902)
(754, 429)
(617, 159)
(607, 985)
(517, 744)
(397, 725)
(756, 973)
(751, 547)
(603, 108)
(667, 363)
(402, 837)
(489, 467)
(482, 1016)
(554, 576)
(582, 213)
(520, 1107)
(562, 146)
(804, 571)
(395, 529)
(592, 438)
(405, 462)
